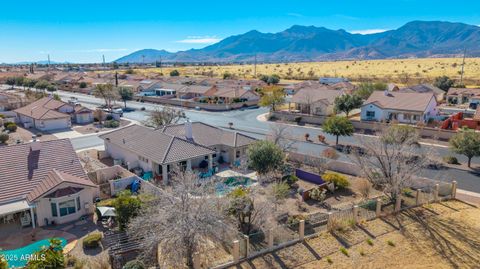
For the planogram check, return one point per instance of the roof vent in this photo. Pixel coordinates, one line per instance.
(35, 145)
(188, 130)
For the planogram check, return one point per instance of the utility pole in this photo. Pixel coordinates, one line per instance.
(255, 67)
(103, 58)
(143, 59)
(48, 65)
(161, 70)
(463, 65)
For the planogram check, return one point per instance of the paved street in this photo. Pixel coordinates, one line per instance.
(246, 122)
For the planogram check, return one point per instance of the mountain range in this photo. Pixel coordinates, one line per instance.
(416, 39)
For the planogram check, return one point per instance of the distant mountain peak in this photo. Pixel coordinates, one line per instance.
(310, 43)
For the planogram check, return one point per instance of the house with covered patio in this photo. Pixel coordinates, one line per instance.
(43, 183)
(191, 146)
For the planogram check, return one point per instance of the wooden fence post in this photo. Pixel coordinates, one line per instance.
(301, 229)
(398, 203)
(454, 189)
(378, 210)
(417, 198)
(236, 251)
(355, 214)
(270, 238)
(196, 261)
(435, 192)
(247, 245)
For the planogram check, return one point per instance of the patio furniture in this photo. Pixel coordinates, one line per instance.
(25, 219)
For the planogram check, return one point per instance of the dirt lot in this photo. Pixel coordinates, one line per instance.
(444, 235)
(25, 135)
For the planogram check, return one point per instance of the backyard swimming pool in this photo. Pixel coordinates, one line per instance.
(18, 258)
(230, 183)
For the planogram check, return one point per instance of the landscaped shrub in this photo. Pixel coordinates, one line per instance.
(109, 117)
(4, 138)
(111, 124)
(11, 126)
(330, 153)
(290, 179)
(295, 219)
(450, 159)
(318, 194)
(92, 240)
(340, 181)
(83, 85)
(135, 264)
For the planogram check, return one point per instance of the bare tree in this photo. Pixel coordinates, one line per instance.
(180, 221)
(166, 116)
(107, 92)
(279, 134)
(393, 161)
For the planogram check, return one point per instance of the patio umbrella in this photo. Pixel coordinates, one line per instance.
(106, 211)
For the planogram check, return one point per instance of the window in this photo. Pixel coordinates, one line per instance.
(67, 208)
(145, 160)
(78, 203)
(371, 114)
(238, 154)
(54, 209)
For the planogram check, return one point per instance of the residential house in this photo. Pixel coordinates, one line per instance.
(190, 146)
(48, 114)
(317, 100)
(43, 183)
(330, 81)
(228, 95)
(464, 96)
(193, 91)
(404, 107)
(426, 88)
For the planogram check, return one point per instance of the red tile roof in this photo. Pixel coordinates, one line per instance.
(23, 169)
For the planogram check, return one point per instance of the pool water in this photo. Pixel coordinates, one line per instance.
(231, 183)
(18, 258)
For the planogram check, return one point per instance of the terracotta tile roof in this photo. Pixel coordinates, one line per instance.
(312, 95)
(400, 100)
(52, 180)
(471, 92)
(155, 145)
(208, 135)
(42, 109)
(23, 169)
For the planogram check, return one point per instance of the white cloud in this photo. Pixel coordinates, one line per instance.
(199, 40)
(368, 31)
(298, 15)
(100, 50)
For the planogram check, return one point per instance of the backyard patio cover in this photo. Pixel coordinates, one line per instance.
(106, 211)
(13, 207)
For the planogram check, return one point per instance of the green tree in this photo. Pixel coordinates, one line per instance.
(466, 142)
(42, 85)
(174, 73)
(126, 94)
(273, 98)
(346, 103)
(51, 88)
(48, 257)
(270, 80)
(10, 81)
(82, 85)
(365, 89)
(264, 157)
(126, 207)
(444, 83)
(338, 126)
(242, 208)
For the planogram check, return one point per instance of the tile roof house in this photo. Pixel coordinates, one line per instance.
(316, 100)
(48, 114)
(44, 182)
(469, 96)
(425, 88)
(405, 107)
(187, 145)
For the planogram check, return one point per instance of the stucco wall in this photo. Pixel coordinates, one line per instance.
(128, 157)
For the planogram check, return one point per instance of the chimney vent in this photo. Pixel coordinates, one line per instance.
(188, 130)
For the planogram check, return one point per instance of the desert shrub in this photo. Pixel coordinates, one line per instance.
(4, 138)
(92, 240)
(134, 264)
(365, 188)
(369, 242)
(344, 251)
(295, 219)
(329, 260)
(362, 253)
(318, 194)
(290, 179)
(450, 159)
(281, 190)
(83, 85)
(330, 153)
(11, 126)
(391, 243)
(111, 124)
(340, 181)
(174, 73)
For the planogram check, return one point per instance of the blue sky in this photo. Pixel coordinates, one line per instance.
(82, 31)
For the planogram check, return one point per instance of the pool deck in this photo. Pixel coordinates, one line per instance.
(13, 236)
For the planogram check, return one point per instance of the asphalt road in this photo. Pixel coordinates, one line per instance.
(245, 121)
